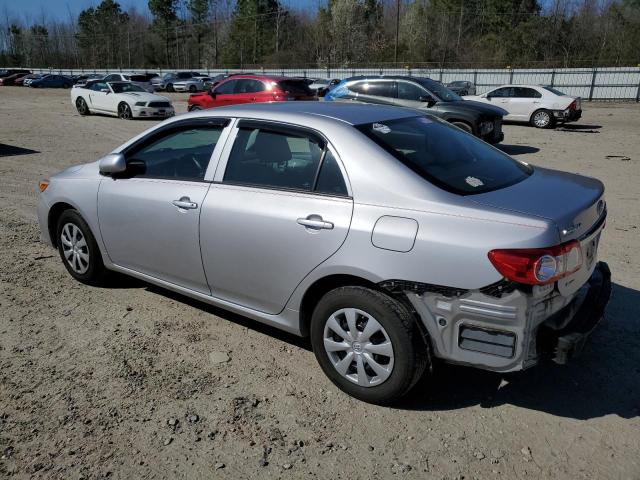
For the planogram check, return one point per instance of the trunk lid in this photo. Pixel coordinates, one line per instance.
(573, 202)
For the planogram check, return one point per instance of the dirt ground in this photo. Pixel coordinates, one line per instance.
(133, 381)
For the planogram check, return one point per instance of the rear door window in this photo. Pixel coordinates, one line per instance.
(289, 159)
(410, 91)
(375, 88)
(445, 156)
(523, 92)
(248, 85)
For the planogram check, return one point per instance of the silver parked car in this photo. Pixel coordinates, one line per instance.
(387, 236)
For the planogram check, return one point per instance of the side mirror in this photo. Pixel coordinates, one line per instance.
(112, 163)
(212, 93)
(104, 90)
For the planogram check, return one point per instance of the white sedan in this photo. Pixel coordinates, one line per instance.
(540, 106)
(124, 99)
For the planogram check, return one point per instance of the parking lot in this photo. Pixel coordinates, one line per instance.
(133, 381)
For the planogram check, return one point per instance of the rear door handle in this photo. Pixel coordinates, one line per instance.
(315, 222)
(186, 203)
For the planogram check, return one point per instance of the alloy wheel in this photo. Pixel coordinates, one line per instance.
(81, 105)
(75, 248)
(124, 111)
(541, 119)
(358, 347)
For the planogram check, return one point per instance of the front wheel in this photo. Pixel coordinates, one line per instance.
(170, 87)
(82, 107)
(124, 111)
(542, 119)
(78, 249)
(194, 108)
(368, 344)
(463, 126)
(192, 88)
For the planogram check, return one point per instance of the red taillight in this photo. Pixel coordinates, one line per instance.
(573, 105)
(538, 266)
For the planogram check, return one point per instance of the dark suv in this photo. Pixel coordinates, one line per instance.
(484, 121)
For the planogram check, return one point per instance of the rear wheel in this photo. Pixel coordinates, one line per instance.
(82, 107)
(192, 88)
(193, 108)
(542, 119)
(78, 249)
(124, 111)
(368, 344)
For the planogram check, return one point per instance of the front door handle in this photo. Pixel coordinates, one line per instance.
(315, 222)
(186, 203)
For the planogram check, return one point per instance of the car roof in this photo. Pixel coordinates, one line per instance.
(387, 77)
(273, 78)
(303, 112)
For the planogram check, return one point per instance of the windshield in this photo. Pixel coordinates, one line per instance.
(298, 87)
(123, 87)
(456, 84)
(439, 90)
(445, 156)
(553, 90)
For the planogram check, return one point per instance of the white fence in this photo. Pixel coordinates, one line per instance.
(610, 83)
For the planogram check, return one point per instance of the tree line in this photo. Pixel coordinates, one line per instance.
(203, 34)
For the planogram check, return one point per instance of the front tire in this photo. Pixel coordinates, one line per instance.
(124, 111)
(78, 249)
(195, 107)
(542, 119)
(368, 344)
(82, 107)
(463, 126)
(192, 88)
(170, 87)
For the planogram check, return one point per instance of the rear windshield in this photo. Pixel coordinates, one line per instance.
(445, 156)
(299, 87)
(138, 78)
(553, 90)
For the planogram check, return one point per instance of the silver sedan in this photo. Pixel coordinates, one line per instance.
(388, 237)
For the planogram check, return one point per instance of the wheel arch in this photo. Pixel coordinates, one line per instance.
(52, 219)
(324, 285)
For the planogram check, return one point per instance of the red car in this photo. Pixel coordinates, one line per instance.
(252, 89)
(12, 79)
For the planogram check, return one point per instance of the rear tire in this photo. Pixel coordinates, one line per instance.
(193, 89)
(388, 355)
(78, 249)
(195, 107)
(542, 119)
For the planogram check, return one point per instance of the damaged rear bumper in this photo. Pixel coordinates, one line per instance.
(561, 344)
(507, 328)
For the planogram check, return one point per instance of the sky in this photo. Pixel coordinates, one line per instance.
(33, 10)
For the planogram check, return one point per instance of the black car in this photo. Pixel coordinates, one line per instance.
(484, 121)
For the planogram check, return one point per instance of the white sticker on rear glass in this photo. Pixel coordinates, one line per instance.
(381, 128)
(474, 182)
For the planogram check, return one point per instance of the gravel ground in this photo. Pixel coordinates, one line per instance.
(136, 382)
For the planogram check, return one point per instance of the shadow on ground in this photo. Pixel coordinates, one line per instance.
(517, 149)
(603, 380)
(578, 128)
(11, 150)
